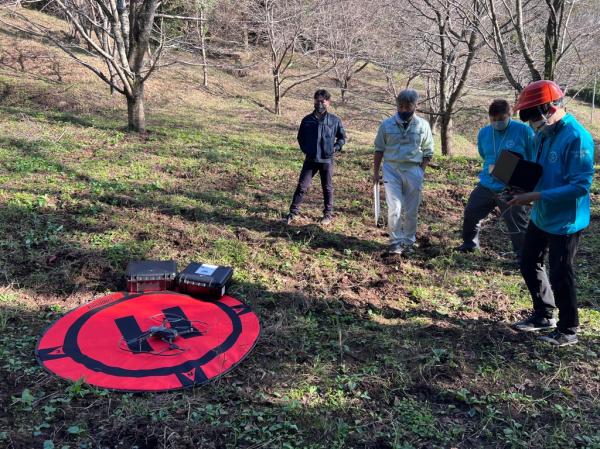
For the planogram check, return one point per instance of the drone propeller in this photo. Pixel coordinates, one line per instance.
(166, 331)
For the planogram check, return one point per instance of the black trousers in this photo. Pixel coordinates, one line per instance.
(560, 291)
(309, 170)
(481, 202)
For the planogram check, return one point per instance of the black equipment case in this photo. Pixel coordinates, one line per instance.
(151, 275)
(204, 280)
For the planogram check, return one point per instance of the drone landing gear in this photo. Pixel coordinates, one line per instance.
(170, 328)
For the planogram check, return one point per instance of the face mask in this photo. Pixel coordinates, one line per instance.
(500, 125)
(538, 125)
(320, 107)
(405, 116)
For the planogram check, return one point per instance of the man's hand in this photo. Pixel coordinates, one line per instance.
(524, 199)
(425, 163)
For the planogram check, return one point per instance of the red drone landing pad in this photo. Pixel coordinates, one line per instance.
(101, 342)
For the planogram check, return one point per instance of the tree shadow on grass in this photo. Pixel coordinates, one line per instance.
(41, 254)
(326, 373)
(44, 255)
(441, 359)
(105, 122)
(79, 120)
(217, 206)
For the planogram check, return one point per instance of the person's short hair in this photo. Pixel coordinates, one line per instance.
(407, 96)
(322, 93)
(499, 106)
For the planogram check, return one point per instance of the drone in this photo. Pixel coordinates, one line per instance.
(170, 328)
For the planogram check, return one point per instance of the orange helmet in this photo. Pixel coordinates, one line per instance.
(537, 94)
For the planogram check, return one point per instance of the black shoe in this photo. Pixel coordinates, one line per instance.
(535, 323)
(465, 249)
(409, 250)
(557, 338)
(326, 220)
(289, 218)
(393, 250)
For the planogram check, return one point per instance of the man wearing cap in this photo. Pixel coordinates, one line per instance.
(502, 134)
(405, 144)
(561, 210)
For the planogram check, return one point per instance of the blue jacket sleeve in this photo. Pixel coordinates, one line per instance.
(580, 172)
(480, 145)
(530, 148)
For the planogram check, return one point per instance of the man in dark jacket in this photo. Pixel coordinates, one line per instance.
(320, 136)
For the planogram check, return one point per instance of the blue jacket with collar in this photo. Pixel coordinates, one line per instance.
(517, 137)
(567, 157)
(319, 139)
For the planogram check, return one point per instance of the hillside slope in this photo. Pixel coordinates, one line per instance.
(356, 351)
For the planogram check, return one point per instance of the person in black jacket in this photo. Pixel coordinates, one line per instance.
(320, 136)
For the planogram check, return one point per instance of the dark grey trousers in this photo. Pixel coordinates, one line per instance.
(481, 202)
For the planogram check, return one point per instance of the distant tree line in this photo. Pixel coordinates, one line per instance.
(445, 47)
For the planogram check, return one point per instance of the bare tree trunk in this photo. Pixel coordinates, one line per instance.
(283, 26)
(545, 55)
(317, 40)
(202, 33)
(593, 99)
(446, 134)
(123, 10)
(112, 76)
(344, 89)
(500, 49)
(535, 74)
(446, 61)
(119, 33)
(391, 85)
(431, 94)
(245, 38)
(556, 8)
(136, 119)
(277, 93)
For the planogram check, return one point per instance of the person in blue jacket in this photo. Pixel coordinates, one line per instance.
(502, 134)
(561, 210)
(320, 136)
